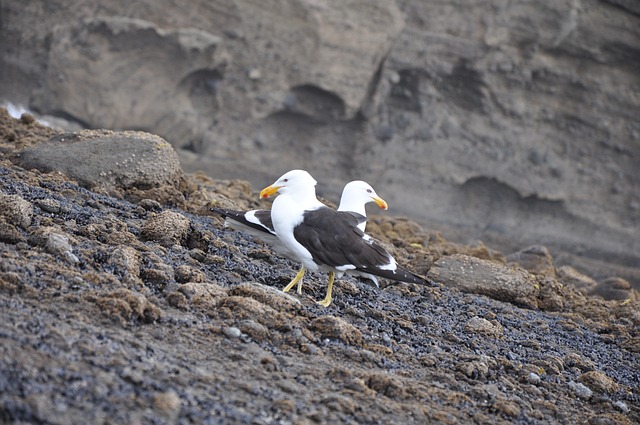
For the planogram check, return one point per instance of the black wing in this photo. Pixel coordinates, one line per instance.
(256, 219)
(334, 239)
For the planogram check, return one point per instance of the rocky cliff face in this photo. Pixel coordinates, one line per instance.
(513, 122)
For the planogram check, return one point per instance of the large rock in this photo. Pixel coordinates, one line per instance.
(107, 159)
(477, 276)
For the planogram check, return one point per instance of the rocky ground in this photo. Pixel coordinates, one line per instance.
(124, 300)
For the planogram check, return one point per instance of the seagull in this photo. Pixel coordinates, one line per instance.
(355, 195)
(324, 239)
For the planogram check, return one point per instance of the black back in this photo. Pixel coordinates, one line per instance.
(333, 239)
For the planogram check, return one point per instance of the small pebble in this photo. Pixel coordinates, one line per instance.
(394, 77)
(622, 406)
(77, 282)
(255, 74)
(71, 257)
(581, 390)
(58, 244)
(533, 378)
(197, 254)
(232, 332)
(168, 402)
(49, 205)
(233, 34)
(309, 348)
(150, 205)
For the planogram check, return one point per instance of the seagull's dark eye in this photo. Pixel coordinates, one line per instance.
(369, 191)
(286, 180)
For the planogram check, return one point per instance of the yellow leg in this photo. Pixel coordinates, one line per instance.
(327, 300)
(295, 280)
(300, 287)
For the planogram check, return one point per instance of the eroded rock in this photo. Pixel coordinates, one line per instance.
(124, 305)
(10, 234)
(479, 325)
(125, 261)
(598, 381)
(203, 296)
(336, 328)
(613, 288)
(550, 294)
(476, 367)
(470, 274)
(16, 210)
(186, 273)
(570, 276)
(106, 159)
(248, 308)
(536, 259)
(267, 295)
(168, 228)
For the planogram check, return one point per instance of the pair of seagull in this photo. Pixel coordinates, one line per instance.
(305, 230)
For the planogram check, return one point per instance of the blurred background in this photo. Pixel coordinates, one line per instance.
(511, 122)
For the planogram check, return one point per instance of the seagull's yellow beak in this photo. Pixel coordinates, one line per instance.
(268, 191)
(381, 203)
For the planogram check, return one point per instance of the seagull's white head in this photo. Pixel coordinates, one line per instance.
(358, 193)
(294, 182)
